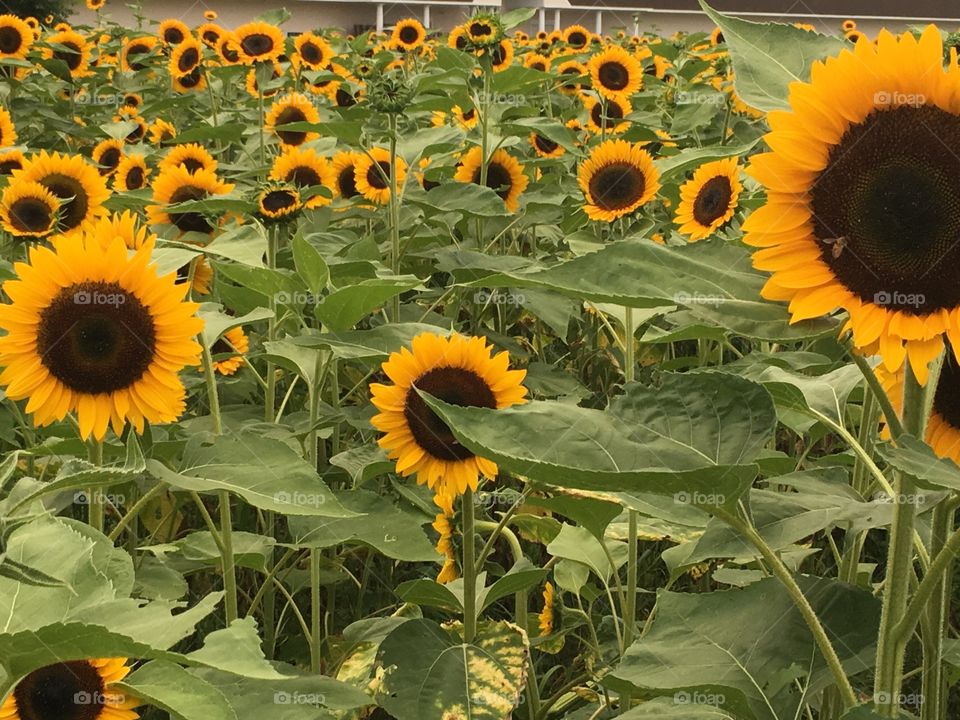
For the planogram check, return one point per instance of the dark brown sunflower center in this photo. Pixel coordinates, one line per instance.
(461, 42)
(604, 115)
(946, 401)
(229, 52)
(8, 166)
(66, 691)
(409, 34)
(455, 386)
(210, 37)
(545, 145)
(577, 39)
(257, 44)
(191, 79)
(538, 65)
(277, 200)
(192, 164)
(499, 55)
(10, 40)
(498, 179)
(617, 186)
(173, 36)
(134, 52)
(887, 209)
(345, 99)
(188, 60)
(713, 200)
(109, 160)
(190, 220)
(347, 182)
(291, 115)
(95, 337)
(311, 53)
(480, 30)
(71, 56)
(613, 76)
(304, 176)
(221, 347)
(377, 179)
(469, 114)
(31, 215)
(719, 38)
(135, 178)
(73, 211)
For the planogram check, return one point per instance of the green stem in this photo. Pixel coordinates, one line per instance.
(134, 510)
(95, 494)
(799, 600)
(469, 569)
(394, 208)
(316, 637)
(937, 615)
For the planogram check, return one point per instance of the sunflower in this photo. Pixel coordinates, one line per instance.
(251, 84)
(855, 36)
(445, 547)
(304, 169)
(194, 80)
(131, 173)
(709, 199)
(176, 185)
(77, 184)
(108, 154)
(607, 116)
(716, 37)
(191, 156)
(576, 36)
(134, 53)
(614, 72)
(504, 174)
(501, 55)
(233, 344)
(76, 689)
(186, 57)
(11, 160)
(483, 30)
(278, 203)
(658, 67)
(466, 119)
(457, 39)
(616, 179)
(536, 61)
(312, 50)
(210, 34)
(95, 4)
(173, 32)
(848, 25)
(8, 133)
(29, 210)
(96, 331)
(162, 131)
(545, 620)
(344, 165)
(132, 100)
(202, 275)
(16, 37)
(408, 35)
(210, 15)
(544, 146)
(70, 47)
(228, 50)
(292, 108)
(457, 370)
(259, 41)
(372, 175)
(569, 73)
(862, 212)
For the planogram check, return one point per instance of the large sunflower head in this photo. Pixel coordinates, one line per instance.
(615, 72)
(457, 370)
(259, 41)
(372, 175)
(107, 155)
(176, 185)
(131, 174)
(577, 36)
(536, 61)
(16, 37)
(210, 34)
(79, 186)
(312, 51)
(709, 198)
(228, 50)
(70, 47)
(306, 170)
(28, 210)
(484, 29)
(505, 174)
(186, 57)
(173, 32)
(616, 179)
(279, 202)
(94, 330)
(408, 35)
(191, 156)
(292, 108)
(75, 690)
(136, 52)
(862, 212)
(607, 115)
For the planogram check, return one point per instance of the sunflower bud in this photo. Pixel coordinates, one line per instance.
(389, 94)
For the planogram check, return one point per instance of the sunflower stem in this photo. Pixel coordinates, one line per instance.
(394, 208)
(890, 647)
(94, 496)
(469, 569)
(316, 613)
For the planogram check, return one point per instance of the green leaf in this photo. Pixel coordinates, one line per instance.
(767, 57)
(692, 158)
(430, 593)
(679, 707)
(579, 545)
(917, 459)
(310, 264)
(698, 641)
(237, 650)
(373, 345)
(216, 323)
(823, 395)
(522, 576)
(466, 198)
(245, 244)
(344, 308)
(264, 471)
(182, 694)
(295, 358)
(435, 674)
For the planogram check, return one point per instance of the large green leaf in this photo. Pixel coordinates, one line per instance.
(699, 641)
(682, 706)
(343, 308)
(432, 674)
(372, 345)
(183, 695)
(767, 57)
(917, 459)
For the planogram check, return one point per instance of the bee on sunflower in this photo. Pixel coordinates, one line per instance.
(709, 198)
(616, 179)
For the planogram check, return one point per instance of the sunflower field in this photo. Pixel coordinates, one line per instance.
(485, 374)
